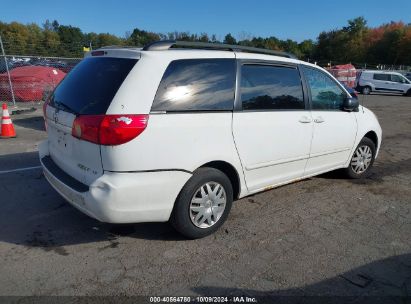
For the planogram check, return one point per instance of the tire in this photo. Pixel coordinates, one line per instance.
(366, 152)
(366, 90)
(191, 202)
(408, 93)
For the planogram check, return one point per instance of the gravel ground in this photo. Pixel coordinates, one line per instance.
(322, 236)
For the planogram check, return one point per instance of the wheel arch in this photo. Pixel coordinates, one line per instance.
(369, 133)
(373, 136)
(367, 85)
(228, 170)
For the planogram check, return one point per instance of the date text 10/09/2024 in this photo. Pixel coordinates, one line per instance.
(203, 299)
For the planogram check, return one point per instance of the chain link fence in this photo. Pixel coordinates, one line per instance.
(28, 80)
(365, 65)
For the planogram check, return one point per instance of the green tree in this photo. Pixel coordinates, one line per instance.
(203, 37)
(272, 43)
(140, 38)
(229, 39)
(35, 39)
(307, 48)
(71, 40)
(15, 36)
(291, 46)
(91, 38)
(356, 26)
(51, 42)
(405, 46)
(355, 44)
(102, 39)
(55, 25)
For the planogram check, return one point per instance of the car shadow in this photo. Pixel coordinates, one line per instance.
(35, 123)
(382, 281)
(19, 160)
(33, 214)
(377, 172)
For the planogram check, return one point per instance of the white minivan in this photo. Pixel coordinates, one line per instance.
(176, 131)
(383, 81)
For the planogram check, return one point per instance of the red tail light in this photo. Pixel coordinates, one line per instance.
(98, 53)
(109, 130)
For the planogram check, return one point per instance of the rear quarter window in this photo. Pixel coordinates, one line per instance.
(197, 85)
(366, 75)
(90, 87)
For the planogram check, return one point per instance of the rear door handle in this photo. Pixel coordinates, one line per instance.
(319, 119)
(305, 119)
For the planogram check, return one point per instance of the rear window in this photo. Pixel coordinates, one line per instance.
(90, 87)
(197, 85)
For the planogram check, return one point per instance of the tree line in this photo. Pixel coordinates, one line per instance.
(356, 42)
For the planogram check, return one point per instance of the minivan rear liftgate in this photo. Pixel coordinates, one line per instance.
(76, 118)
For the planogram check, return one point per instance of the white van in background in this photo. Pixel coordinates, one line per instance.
(382, 81)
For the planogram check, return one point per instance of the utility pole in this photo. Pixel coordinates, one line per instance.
(8, 72)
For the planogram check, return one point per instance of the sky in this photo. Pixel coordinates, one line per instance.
(297, 19)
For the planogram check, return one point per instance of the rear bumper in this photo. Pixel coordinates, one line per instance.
(129, 197)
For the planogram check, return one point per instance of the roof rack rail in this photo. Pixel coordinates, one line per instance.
(163, 45)
(117, 47)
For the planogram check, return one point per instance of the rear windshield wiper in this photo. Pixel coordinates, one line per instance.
(62, 106)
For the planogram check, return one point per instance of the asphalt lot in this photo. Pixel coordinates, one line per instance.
(323, 236)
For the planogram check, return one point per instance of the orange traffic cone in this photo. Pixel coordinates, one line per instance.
(7, 128)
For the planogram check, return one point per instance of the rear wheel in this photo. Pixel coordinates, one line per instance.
(366, 90)
(203, 204)
(362, 159)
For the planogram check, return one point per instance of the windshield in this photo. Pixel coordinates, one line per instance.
(90, 87)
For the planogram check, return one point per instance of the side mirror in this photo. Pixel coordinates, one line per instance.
(351, 104)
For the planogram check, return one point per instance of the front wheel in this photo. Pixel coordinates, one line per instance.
(362, 159)
(203, 204)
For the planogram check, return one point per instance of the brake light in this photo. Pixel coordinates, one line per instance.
(109, 130)
(98, 53)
